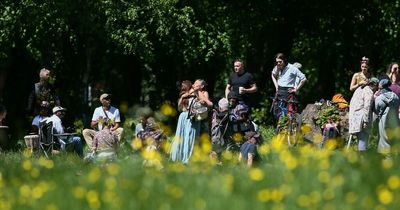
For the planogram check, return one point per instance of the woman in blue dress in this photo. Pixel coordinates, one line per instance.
(188, 129)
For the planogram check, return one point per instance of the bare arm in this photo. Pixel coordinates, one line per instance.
(204, 97)
(274, 80)
(301, 84)
(227, 90)
(94, 123)
(116, 126)
(354, 85)
(250, 160)
(252, 89)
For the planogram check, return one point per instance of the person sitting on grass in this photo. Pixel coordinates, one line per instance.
(248, 151)
(152, 136)
(105, 143)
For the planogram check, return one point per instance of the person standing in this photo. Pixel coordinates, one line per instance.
(387, 109)
(188, 128)
(284, 76)
(393, 75)
(241, 82)
(105, 114)
(360, 112)
(360, 79)
(43, 94)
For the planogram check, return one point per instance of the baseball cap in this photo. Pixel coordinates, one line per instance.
(58, 108)
(373, 80)
(105, 96)
(384, 83)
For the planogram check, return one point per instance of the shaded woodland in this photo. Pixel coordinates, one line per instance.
(140, 50)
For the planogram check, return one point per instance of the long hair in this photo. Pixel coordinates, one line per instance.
(186, 85)
(389, 69)
(282, 57)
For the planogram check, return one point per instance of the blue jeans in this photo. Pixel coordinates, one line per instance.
(362, 137)
(76, 142)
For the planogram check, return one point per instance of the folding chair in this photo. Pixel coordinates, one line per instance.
(48, 140)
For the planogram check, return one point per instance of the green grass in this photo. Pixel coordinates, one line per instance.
(300, 178)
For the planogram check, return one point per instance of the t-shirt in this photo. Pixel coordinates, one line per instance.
(57, 125)
(249, 148)
(396, 89)
(245, 80)
(287, 77)
(112, 114)
(37, 119)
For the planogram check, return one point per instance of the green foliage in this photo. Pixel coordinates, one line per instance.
(78, 124)
(286, 179)
(327, 113)
(261, 115)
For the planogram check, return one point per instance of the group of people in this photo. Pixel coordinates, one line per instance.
(46, 107)
(198, 115)
(232, 116)
(375, 99)
(371, 97)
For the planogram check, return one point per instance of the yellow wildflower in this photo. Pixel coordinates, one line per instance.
(256, 174)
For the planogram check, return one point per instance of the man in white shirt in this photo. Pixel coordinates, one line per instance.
(105, 114)
(288, 79)
(58, 114)
(284, 75)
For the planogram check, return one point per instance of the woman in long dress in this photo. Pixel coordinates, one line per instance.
(188, 129)
(360, 79)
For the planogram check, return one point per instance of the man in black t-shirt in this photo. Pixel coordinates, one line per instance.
(240, 82)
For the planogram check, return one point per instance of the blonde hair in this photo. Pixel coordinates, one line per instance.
(43, 72)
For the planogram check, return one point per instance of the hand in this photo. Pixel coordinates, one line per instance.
(362, 83)
(292, 90)
(241, 90)
(365, 125)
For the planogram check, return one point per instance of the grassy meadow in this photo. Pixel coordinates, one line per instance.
(287, 178)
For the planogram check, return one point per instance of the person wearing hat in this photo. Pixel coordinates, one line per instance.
(248, 151)
(58, 114)
(360, 112)
(101, 115)
(387, 109)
